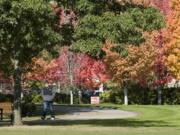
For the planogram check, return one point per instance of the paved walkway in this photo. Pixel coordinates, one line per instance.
(89, 113)
(65, 114)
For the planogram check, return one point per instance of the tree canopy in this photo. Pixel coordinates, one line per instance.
(173, 59)
(123, 24)
(27, 28)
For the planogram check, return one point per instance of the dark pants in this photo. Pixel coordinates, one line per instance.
(48, 105)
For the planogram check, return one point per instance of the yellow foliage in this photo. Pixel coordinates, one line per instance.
(138, 64)
(173, 58)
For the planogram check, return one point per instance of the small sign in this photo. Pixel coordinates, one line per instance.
(95, 100)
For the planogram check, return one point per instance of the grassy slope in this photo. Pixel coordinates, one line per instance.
(152, 120)
(154, 116)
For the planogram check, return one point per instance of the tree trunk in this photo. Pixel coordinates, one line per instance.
(159, 90)
(125, 96)
(80, 96)
(58, 87)
(17, 96)
(71, 97)
(70, 70)
(101, 88)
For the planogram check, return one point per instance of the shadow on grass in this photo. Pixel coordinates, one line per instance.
(105, 123)
(128, 122)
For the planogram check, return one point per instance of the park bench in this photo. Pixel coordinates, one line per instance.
(6, 112)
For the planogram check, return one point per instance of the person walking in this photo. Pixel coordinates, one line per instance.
(48, 95)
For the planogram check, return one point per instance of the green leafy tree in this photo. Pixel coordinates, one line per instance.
(121, 23)
(27, 27)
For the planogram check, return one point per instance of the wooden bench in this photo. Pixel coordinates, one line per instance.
(6, 111)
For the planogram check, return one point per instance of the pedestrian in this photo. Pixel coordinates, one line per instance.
(48, 95)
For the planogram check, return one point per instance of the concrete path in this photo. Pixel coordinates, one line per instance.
(89, 113)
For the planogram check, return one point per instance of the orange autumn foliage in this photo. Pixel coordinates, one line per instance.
(134, 67)
(39, 68)
(173, 58)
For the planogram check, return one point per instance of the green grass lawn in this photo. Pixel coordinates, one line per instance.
(151, 120)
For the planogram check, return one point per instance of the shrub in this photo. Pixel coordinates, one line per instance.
(105, 97)
(140, 95)
(36, 98)
(28, 106)
(63, 98)
(6, 97)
